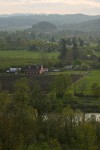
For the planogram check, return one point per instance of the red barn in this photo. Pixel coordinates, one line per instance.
(34, 69)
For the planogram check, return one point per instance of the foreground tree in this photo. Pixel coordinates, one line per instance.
(22, 92)
(39, 100)
(86, 137)
(75, 49)
(25, 115)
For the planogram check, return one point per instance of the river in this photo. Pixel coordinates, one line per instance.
(97, 115)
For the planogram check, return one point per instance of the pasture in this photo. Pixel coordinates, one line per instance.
(22, 58)
(27, 54)
(68, 72)
(87, 81)
(97, 54)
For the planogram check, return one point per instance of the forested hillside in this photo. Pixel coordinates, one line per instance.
(88, 26)
(18, 21)
(44, 27)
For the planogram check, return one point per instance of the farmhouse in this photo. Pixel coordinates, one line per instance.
(45, 69)
(34, 69)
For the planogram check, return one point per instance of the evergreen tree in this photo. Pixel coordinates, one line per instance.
(63, 51)
(75, 49)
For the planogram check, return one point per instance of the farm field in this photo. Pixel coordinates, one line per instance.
(21, 58)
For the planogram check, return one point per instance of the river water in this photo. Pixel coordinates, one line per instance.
(96, 115)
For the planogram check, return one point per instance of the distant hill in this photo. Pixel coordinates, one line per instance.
(88, 26)
(22, 21)
(44, 27)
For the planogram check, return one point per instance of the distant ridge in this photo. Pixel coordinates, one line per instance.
(18, 21)
(87, 26)
(44, 27)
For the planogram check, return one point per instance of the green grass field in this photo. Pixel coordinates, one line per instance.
(74, 72)
(97, 54)
(21, 58)
(26, 54)
(87, 81)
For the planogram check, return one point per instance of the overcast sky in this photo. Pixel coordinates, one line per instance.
(91, 7)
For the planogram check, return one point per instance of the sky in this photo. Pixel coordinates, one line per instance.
(90, 7)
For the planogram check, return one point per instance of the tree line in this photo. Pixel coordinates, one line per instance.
(27, 39)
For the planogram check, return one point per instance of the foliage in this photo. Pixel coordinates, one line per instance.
(39, 100)
(22, 92)
(63, 51)
(75, 49)
(60, 84)
(89, 79)
(86, 138)
(22, 128)
(96, 89)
